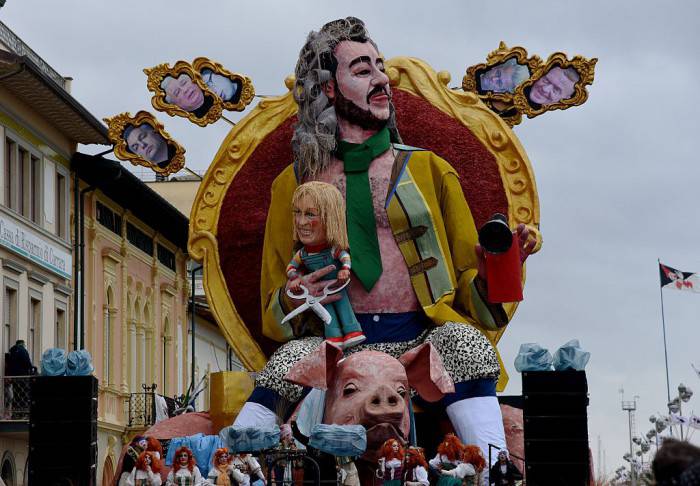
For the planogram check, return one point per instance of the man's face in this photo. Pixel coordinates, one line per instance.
(220, 85)
(361, 92)
(145, 142)
(498, 79)
(307, 223)
(184, 93)
(552, 87)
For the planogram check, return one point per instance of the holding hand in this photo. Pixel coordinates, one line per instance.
(526, 246)
(343, 275)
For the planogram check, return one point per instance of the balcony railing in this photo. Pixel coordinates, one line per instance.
(141, 408)
(16, 398)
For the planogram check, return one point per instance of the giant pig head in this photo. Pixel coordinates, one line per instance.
(373, 388)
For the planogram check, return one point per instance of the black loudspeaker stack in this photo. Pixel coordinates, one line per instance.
(556, 428)
(63, 431)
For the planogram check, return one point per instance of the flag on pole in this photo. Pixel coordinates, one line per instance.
(675, 279)
(679, 419)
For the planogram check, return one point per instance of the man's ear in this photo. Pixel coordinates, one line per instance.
(316, 370)
(329, 89)
(426, 373)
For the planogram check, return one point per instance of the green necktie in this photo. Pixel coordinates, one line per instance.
(362, 228)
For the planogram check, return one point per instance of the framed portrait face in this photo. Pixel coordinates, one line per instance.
(142, 140)
(235, 91)
(181, 91)
(559, 84)
(496, 80)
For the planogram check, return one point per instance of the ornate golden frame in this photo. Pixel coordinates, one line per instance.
(118, 123)
(501, 103)
(158, 73)
(408, 74)
(586, 71)
(247, 89)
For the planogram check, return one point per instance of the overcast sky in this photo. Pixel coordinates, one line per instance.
(617, 177)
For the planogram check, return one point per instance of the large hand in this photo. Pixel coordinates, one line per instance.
(315, 286)
(526, 247)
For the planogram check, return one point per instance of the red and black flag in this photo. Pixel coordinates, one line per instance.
(675, 279)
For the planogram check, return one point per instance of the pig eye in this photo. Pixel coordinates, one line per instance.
(349, 389)
(401, 391)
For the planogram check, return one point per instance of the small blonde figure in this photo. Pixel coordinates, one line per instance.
(319, 225)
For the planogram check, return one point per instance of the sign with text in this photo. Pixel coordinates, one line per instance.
(21, 239)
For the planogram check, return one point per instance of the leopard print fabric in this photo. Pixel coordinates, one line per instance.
(466, 353)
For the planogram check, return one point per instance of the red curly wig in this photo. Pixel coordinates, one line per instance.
(220, 452)
(176, 460)
(141, 462)
(154, 445)
(388, 453)
(451, 447)
(415, 457)
(472, 454)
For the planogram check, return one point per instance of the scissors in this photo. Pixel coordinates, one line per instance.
(313, 302)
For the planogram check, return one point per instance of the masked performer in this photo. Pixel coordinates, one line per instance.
(319, 225)
(448, 462)
(418, 273)
(137, 445)
(146, 472)
(415, 471)
(185, 471)
(391, 463)
(504, 472)
(249, 468)
(222, 472)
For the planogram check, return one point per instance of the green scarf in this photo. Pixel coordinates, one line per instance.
(362, 228)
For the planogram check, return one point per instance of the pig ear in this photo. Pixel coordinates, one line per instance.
(426, 373)
(316, 370)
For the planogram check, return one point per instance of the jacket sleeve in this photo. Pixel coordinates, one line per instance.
(462, 237)
(277, 252)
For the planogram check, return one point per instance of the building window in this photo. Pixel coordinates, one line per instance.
(60, 331)
(107, 218)
(60, 206)
(10, 173)
(22, 179)
(139, 239)
(166, 257)
(9, 330)
(34, 343)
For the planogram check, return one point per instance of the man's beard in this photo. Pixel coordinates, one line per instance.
(348, 110)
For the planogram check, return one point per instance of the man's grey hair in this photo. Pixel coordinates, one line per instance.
(315, 134)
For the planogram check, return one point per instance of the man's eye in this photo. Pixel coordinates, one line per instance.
(363, 72)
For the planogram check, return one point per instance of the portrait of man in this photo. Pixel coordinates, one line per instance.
(504, 77)
(556, 85)
(222, 86)
(184, 92)
(144, 141)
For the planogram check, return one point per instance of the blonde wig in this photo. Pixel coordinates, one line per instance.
(328, 200)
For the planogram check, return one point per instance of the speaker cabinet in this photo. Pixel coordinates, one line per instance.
(556, 428)
(63, 431)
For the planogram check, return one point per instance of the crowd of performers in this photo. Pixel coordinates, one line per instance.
(144, 458)
(454, 464)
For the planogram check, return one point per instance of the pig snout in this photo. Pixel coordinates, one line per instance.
(383, 405)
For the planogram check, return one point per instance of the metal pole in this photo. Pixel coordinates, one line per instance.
(192, 324)
(663, 326)
(633, 476)
(82, 264)
(76, 255)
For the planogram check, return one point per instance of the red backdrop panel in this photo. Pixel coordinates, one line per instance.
(244, 209)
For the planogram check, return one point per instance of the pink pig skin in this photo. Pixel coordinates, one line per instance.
(372, 388)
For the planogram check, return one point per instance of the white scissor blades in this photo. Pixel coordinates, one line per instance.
(313, 302)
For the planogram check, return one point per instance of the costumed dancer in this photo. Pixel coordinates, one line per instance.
(154, 445)
(223, 473)
(146, 472)
(415, 471)
(185, 471)
(471, 454)
(248, 466)
(137, 445)
(319, 225)
(391, 457)
(448, 462)
(504, 472)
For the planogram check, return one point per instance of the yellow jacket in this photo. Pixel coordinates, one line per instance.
(435, 230)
